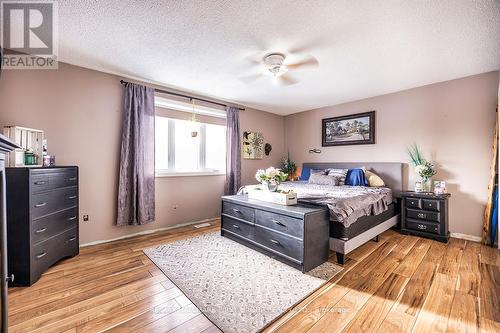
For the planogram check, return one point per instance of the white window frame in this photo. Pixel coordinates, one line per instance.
(171, 171)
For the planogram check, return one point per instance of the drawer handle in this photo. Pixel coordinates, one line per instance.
(236, 226)
(72, 197)
(39, 231)
(40, 205)
(422, 215)
(279, 223)
(72, 239)
(236, 210)
(72, 218)
(275, 241)
(72, 179)
(421, 226)
(41, 255)
(40, 183)
(430, 205)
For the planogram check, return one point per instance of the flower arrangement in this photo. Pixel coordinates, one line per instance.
(425, 169)
(271, 177)
(288, 166)
(270, 174)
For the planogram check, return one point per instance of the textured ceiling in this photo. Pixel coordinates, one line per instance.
(364, 48)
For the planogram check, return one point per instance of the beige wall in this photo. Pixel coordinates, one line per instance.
(80, 111)
(452, 122)
(272, 127)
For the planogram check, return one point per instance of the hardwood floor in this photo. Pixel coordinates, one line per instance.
(399, 284)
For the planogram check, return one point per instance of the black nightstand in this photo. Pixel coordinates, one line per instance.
(425, 214)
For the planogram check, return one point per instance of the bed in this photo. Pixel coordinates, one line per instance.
(357, 214)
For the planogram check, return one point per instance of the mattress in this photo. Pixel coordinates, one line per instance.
(362, 224)
(346, 203)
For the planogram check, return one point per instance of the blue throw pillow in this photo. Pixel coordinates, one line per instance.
(356, 177)
(306, 172)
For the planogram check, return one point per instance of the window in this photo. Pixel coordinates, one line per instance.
(178, 153)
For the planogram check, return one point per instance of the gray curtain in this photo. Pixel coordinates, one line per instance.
(136, 188)
(233, 152)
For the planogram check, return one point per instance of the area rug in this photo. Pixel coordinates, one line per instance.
(237, 288)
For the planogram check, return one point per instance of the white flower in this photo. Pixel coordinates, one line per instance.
(419, 169)
(259, 175)
(271, 172)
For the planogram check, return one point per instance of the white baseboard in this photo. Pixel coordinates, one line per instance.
(148, 232)
(466, 237)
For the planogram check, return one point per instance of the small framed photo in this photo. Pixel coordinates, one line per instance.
(439, 187)
(418, 186)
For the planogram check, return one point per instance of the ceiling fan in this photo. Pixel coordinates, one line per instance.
(275, 65)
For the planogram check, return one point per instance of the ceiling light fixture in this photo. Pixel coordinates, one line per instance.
(274, 63)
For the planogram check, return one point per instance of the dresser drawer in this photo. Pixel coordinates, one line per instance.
(422, 226)
(46, 253)
(50, 202)
(40, 183)
(288, 225)
(413, 203)
(422, 215)
(44, 180)
(54, 224)
(283, 244)
(240, 228)
(430, 205)
(239, 211)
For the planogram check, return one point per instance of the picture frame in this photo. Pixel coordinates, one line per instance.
(353, 129)
(253, 145)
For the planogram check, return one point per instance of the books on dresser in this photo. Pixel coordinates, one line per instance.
(42, 227)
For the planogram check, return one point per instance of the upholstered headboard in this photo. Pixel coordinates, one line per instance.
(390, 172)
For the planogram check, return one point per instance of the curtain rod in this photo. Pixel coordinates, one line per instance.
(187, 96)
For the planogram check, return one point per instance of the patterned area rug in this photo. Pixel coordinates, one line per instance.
(237, 288)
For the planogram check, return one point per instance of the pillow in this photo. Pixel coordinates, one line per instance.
(356, 177)
(306, 172)
(339, 173)
(321, 179)
(373, 179)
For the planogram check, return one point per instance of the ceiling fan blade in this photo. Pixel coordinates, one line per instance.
(286, 80)
(307, 47)
(311, 61)
(250, 78)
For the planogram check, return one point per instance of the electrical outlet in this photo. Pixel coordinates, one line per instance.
(85, 218)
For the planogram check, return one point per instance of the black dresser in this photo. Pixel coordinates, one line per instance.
(425, 214)
(296, 235)
(42, 215)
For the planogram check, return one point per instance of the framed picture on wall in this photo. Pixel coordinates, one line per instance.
(253, 145)
(353, 129)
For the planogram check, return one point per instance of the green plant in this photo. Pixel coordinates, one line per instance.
(288, 166)
(425, 169)
(415, 155)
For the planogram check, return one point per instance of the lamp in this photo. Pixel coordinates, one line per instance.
(194, 122)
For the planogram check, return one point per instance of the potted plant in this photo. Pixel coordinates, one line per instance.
(425, 169)
(270, 178)
(289, 166)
